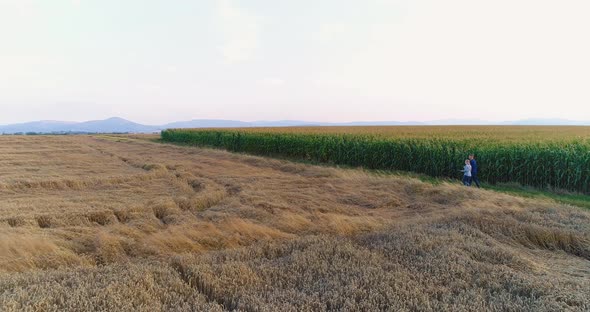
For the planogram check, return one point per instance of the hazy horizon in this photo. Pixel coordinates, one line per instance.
(291, 122)
(330, 61)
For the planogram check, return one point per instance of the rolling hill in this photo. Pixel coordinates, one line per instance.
(120, 125)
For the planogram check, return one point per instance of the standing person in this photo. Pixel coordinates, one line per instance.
(473, 164)
(467, 173)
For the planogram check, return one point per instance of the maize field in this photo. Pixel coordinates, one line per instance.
(537, 156)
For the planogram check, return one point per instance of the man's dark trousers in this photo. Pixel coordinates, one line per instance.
(474, 170)
(474, 179)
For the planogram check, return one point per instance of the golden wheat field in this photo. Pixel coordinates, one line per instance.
(123, 223)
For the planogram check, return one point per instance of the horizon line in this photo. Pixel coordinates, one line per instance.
(434, 122)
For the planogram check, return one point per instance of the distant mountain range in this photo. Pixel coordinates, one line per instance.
(120, 125)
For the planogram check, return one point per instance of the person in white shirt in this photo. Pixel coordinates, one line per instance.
(467, 173)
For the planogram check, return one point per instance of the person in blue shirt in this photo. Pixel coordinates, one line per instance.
(474, 178)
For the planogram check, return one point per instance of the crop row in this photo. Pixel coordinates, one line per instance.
(552, 164)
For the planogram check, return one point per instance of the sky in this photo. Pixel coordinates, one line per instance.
(156, 61)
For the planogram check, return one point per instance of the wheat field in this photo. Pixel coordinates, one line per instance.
(120, 223)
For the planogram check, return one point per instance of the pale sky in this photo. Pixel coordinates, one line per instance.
(156, 61)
